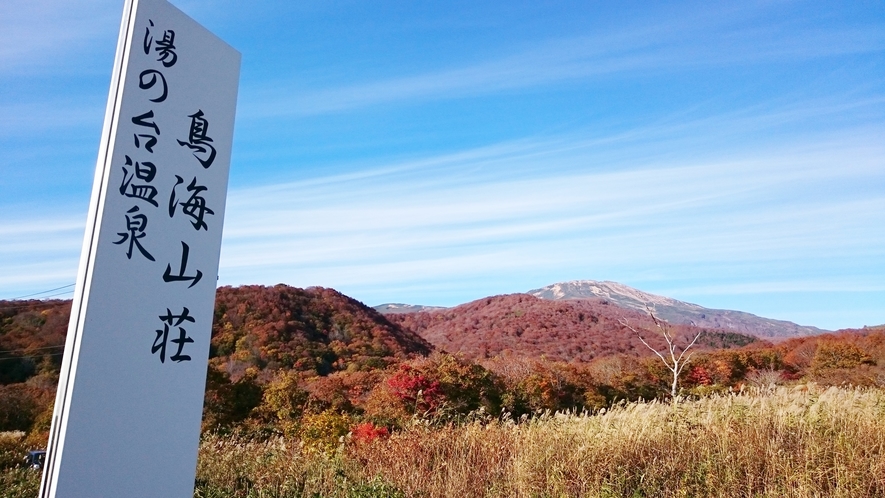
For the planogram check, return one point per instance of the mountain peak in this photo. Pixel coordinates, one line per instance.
(672, 310)
(583, 289)
(621, 294)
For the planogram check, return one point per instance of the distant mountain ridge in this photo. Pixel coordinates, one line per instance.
(391, 308)
(675, 311)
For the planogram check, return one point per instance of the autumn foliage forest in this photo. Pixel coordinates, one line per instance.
(317, 366)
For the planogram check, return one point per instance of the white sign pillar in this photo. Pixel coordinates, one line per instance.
(129, 403)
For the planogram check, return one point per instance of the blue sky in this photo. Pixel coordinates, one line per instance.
(731, 155)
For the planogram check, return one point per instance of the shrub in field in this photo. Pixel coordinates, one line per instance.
(730, 367)
(764, 378)
(283, 401)
(610, 370)
(367, 432)
(324, 432)
(30, 330)
(531, 385)
(533, 393)
(623, 377)
(21, 404)
(838, 354)
(384, 408)
(341, 391)
(698, 375)
(594, 400)
(465, 386)
(862, 375)
(799, 353)
(227, 403)
(417, 392)
(721, 370)
(843, 350)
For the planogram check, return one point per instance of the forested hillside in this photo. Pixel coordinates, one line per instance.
(32, 336)
(527, 326)
(311, 330)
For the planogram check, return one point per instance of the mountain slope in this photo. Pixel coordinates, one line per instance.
(674, 311)
(524, 325)
(313, 329)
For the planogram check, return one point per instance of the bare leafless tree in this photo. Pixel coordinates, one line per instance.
(766, 378)
(674, 358)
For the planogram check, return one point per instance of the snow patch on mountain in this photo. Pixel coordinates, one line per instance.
(673, 310)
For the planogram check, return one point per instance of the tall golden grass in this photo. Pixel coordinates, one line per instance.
(784, 442)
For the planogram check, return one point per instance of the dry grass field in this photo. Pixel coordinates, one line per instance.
(786, 442)
(800, 441)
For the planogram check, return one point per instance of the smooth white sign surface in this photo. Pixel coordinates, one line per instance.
(128, 409)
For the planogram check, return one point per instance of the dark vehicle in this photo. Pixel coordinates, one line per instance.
(36, 459)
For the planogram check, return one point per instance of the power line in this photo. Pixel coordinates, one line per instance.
(31, 356)
(26, 350)
(58, 294)
(45, 292)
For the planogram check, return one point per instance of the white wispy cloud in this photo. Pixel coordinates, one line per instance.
(38, 253)
(773, 287)
(382, 237)
(386, 229)
(26, 119)
(37, 35)
(674, 44)
(649, 197)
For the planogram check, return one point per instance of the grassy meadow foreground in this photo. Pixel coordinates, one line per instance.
(802, 441)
